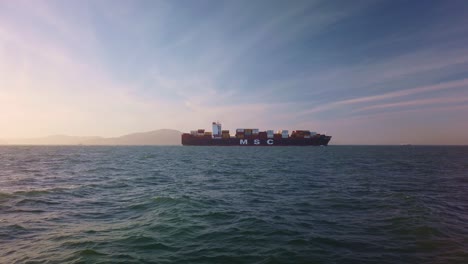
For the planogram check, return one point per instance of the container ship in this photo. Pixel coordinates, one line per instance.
(253, 137)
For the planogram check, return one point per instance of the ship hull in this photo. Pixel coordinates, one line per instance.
(190, 140)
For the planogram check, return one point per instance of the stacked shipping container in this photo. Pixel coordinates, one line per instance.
(253, 133)
(252, 137)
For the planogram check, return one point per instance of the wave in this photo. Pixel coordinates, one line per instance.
(166, 200)
(145, 243)
(89, 252)
(5, 196)
(44, 191)
(29, 201)
(34, 192)
(217, 215)
(157, 201)
(14, 227)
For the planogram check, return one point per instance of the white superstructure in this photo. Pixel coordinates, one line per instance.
(216, 129)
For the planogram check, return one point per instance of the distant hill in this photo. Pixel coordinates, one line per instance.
(156, 137)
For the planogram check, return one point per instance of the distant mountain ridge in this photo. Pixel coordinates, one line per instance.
(155, 137)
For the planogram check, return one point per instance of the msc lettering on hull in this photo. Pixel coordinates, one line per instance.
(256, 142)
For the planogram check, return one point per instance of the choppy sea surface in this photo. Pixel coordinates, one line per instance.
(336, 204)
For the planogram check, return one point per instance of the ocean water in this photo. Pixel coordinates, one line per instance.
(336, 204)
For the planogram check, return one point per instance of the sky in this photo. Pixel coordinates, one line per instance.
(364, 72)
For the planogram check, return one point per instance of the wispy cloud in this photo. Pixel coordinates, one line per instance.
(388, 96)
(412, 103)
(402, 93)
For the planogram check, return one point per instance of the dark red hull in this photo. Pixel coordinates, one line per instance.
(190, 140)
